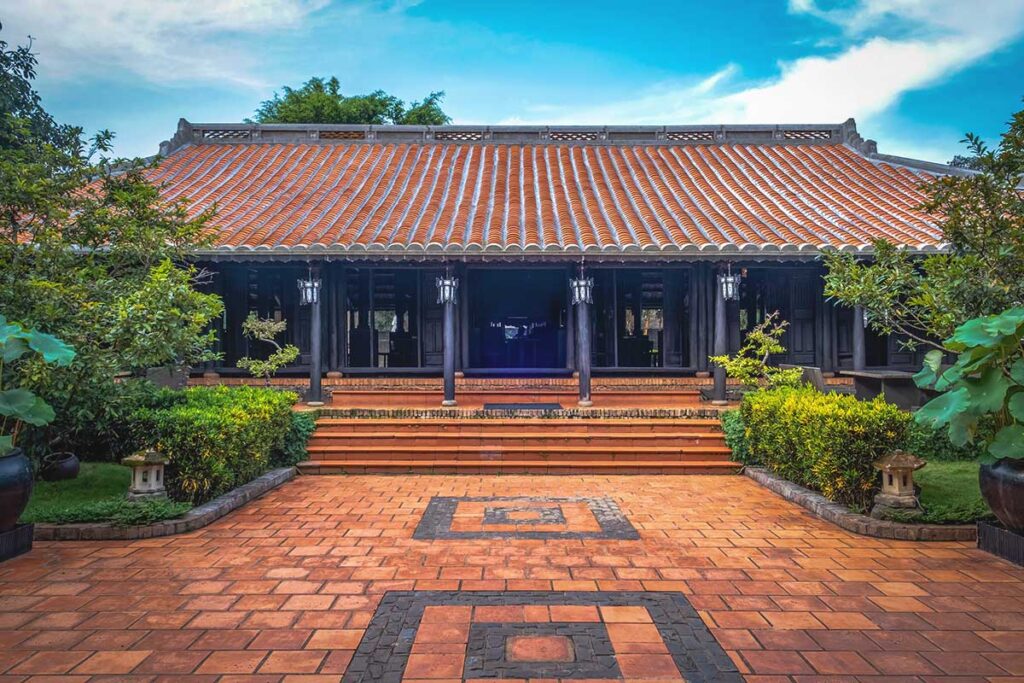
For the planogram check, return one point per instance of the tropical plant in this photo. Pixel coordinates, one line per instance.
(321, 101)
(266, 330)
(980, 273)
(90, 252)
(985, 384)
(18, 405)
(750, 364)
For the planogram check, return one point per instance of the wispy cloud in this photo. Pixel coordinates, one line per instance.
(888, 48)
(161, 41)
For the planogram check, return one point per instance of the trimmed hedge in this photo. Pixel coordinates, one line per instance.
(826, 442)
(293, 450)
(215, 438)
(735, 433)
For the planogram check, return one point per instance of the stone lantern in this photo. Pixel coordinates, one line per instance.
(898, 492)
(147, 475)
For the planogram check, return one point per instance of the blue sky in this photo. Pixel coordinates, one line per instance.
(916, 74)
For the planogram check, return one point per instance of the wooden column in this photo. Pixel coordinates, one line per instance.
(859, 351)
(721, 341)
(447, 289)
(583, 351)
(316, 359)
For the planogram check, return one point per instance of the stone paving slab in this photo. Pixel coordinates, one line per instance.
(285, 588)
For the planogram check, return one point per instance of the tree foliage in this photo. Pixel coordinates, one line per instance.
(266, 331)
(90, 253)
(981, 273)
(750, 364)
(321, 101)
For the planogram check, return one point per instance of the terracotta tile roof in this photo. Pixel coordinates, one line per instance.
(467, 195)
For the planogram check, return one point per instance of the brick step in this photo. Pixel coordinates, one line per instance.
(485, 453)
(553, 438)
(631, 425)
(447, 466)
(357, 398)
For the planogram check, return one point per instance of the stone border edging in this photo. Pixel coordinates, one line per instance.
(196, 518)
(841, 516)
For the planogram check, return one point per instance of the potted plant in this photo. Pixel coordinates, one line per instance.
(982, 399)
(20, 407)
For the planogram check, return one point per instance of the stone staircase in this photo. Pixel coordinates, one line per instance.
(624, 441)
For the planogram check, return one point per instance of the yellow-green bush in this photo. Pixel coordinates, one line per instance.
(215, 438)
(827, 442)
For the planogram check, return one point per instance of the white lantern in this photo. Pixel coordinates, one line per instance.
(147, 475)
(730, 285)
(582, 289)
(309, 290)
(447, 288)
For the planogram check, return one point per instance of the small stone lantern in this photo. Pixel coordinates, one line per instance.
(898, 492)
(147, 475)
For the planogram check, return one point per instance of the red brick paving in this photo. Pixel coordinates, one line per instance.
(282, 589)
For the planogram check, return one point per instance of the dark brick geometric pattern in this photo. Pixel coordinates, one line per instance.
(467, 635)
(523, 517)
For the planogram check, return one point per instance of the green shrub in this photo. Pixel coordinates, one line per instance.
(293, 450)
(736, 435)
(215, 438)
(119, 511)
(934, 445)
(827, 442)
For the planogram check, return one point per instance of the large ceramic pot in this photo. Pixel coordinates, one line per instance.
(60, 466)
(1002, 485)
(15, 487)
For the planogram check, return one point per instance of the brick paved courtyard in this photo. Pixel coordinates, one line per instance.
(292, 587)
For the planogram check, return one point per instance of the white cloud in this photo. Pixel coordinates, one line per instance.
(162, 41)
(892, 47)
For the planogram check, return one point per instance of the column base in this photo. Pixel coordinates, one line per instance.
(703, 374)
(449, 404)
(335, 374)
(459, 374)
(315, 404)
(585, 403)
(210, 374)
(719, 402)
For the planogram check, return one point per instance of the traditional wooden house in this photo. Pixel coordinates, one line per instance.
(543, 250)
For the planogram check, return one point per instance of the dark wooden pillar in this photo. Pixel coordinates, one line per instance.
(316, 356)
(447, 286)
(583, 351)
(721, 340)
(859, 351)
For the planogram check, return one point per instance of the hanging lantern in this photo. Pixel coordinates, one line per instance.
(447, 287)
(309, 290)
(582, 290)
(730, 284)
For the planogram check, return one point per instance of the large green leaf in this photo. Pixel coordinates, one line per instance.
(52, 350)
(1007, 323)
(14, 348)
(941, 409)
(1016, 406)
(1017, 371)
(987, 391)
(39, 414)
(1009, 442)
(6, 443)
(8, 330)
(929, 372)
(16, 402)
(976, 332)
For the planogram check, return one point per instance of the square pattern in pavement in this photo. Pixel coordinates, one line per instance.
(561, 635)
(524, 517)
(287, 587)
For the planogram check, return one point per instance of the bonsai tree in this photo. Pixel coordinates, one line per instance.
(19, 406)
(266, 330)
(750, 364)
(985, 384)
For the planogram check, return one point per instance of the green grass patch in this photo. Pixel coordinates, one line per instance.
(96, 495)
(950, 493)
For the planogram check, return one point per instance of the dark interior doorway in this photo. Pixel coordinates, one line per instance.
(517, 318)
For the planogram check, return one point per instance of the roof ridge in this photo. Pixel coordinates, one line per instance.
(189, 133)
